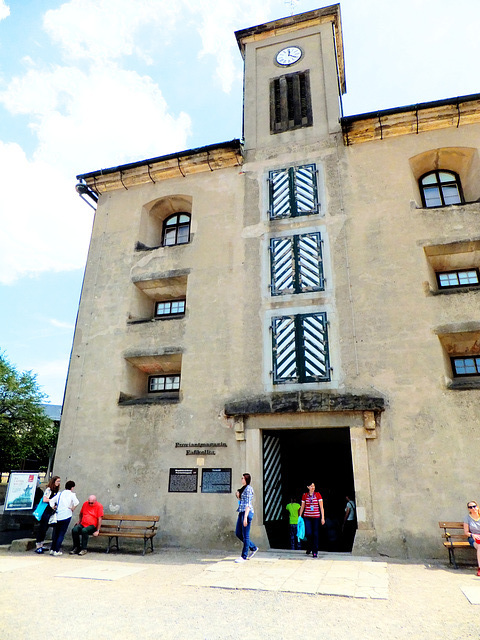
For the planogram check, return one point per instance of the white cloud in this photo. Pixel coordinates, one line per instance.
(43, 224)
(4, 10)
(219, 19)
(103, 30)
(94, 119)
(61, 325)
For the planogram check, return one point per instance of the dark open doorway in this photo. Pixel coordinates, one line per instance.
(294, 458)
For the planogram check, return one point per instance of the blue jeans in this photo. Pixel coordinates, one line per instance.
(243, 533)
(311, 531)
(59, 531)
(294, 543)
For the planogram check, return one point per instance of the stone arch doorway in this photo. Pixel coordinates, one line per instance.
(293, 458)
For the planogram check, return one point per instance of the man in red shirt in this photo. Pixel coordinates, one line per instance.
(91, 515)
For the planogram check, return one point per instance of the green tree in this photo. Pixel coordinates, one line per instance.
(26, 432)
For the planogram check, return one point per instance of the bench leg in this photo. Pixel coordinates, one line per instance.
(145, 542)
(110, 538)
(451, 553)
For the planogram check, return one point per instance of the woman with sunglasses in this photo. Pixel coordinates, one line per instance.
(471, 526)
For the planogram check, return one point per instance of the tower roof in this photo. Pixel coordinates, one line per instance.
(290, 24)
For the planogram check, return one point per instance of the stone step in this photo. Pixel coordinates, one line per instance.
(22, 544)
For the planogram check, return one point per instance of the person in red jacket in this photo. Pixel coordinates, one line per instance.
(89, 524)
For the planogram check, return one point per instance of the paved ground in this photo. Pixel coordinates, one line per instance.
(176, 594)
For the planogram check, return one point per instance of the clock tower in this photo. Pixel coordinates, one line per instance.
(294, 79)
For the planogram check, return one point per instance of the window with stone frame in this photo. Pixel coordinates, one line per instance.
(296, 264)
(454, 267)
(290, 102)
(461, 349)
(293, 192)
(458, 278)
(170, 308)
(300, 348)
(462, 366)
(176, 229)
(163, 383)
(440, 188)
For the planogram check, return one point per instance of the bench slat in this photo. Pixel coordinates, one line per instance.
(121, 525)
(139, 518)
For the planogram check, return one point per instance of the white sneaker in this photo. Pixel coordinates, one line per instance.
(252, 554)
(52, 552)
(240, 559)
(57, 553)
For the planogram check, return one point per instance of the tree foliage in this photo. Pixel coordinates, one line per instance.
(26, 432)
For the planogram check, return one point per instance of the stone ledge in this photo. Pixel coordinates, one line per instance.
(162, 398)
(22, 544)
(464, 385)
(304, 402)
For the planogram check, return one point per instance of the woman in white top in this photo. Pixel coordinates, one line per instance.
(65, 504)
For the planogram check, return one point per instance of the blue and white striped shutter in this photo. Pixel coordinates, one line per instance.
(309, 260)
(272, 478)
(284, 349)
(280, 200)
(296, 264)
(305, 190)
(315, 362)
(282, 265)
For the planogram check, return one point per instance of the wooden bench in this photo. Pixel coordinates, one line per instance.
(125, 526)
(455, 538)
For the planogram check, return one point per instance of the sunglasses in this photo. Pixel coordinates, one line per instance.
(472, 506)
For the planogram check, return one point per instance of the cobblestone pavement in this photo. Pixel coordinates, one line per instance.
(179, 594)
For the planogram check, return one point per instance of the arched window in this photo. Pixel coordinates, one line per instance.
(440, 189)
(176, 229)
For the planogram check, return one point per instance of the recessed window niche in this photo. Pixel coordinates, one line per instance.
(154, 215)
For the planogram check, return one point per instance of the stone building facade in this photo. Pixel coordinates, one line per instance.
(302, 305)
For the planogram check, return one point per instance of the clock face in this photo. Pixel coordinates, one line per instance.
(289, 56)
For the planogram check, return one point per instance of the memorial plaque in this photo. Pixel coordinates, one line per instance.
(183, 481)
(216, 481)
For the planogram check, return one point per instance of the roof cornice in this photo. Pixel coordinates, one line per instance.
(184, 163)
(418, 118)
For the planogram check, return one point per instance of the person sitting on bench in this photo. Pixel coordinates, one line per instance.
(91, 515)
(471, 526)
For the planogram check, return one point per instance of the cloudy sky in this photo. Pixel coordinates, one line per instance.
(89, 84)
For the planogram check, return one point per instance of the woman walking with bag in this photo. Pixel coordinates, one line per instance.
(65, 502)
(312, 512)
(245, 515)
(50, 493)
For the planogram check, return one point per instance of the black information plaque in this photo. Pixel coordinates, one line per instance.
(216, 480)
(183, 481)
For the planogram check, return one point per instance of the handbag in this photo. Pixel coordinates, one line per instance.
(40, 508)
(53, 517)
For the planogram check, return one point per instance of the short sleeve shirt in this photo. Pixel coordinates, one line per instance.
(293, 508)
(90, 514)
(473, 525)
(312, 510)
